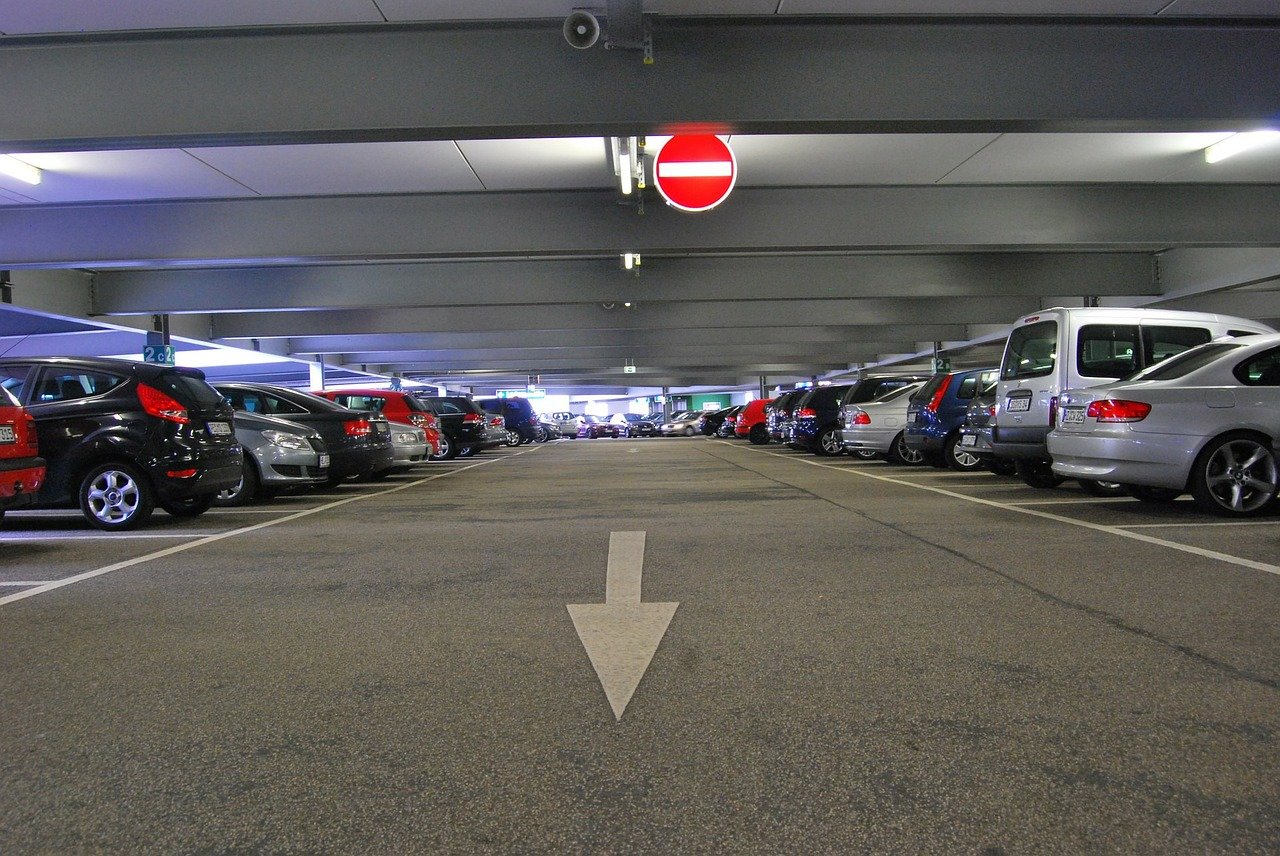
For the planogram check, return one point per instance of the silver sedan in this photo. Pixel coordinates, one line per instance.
(277, 454)
(1206, 421)
(877, 425)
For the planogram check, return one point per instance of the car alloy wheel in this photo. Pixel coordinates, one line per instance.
(959, 458)
(688, 432)
(244, 491)
(829, 443)
(1235, 475)
(900, 454)
(447, 449)
(115, 497)
(513, 439)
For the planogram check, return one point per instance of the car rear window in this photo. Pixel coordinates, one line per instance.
(1161, 343)
(7, 399)
(189, 388)
(1032, 351)
(1187, 362)
(894, 393)
(926, 392)
(443, 406)
(875, 387)
(362, 402)
(1107, 350)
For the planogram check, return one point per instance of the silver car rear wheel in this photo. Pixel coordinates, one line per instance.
(1235, 475)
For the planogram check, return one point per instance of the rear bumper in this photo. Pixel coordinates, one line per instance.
(1026, 444)
(214, 474)
(19, 481)
(1125, 459)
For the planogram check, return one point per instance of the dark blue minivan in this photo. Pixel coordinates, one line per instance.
(937, 411)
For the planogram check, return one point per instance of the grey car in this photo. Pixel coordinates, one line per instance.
(408, 448)
(278, 454)
(682, 424)
(1204, 422)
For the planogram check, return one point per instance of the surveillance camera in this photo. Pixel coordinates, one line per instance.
(581, 29)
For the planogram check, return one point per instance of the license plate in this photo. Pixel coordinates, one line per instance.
(219, 429)
(1018, 405)
(7, 434)
(969, 440)
(1073, 416)
(324, 461)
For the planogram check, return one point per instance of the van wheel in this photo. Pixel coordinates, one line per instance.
(1101, 488)
(900, 454)
(1038, 474)
(958, 458)
(1235, 475)
(244, 492)
(191, 506)
(759, 435)
(1152, 494)
(115, 497)
(1001, 466)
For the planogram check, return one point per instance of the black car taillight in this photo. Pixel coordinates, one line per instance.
(162, 406)
(472, 418)
(357, 428)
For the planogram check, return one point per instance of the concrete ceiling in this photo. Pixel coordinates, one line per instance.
(435, 199)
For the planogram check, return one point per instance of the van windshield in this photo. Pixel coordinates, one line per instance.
(1031, 351)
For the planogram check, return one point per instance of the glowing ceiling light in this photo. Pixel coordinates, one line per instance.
(1237, 143)
(20, 170)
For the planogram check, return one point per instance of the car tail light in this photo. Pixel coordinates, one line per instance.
(991, 411)
(357, 428)
(419, 419)
(472, 418)
(861, 418)
(806, 413)
(1118, 410)
(158, 404)
(938, 395)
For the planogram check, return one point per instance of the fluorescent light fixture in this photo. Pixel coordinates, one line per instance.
(11, 166)
(626, 175)
(1237, 143)
(626, 162)
(630, 261)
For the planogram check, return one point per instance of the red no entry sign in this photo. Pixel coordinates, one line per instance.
(695, 172)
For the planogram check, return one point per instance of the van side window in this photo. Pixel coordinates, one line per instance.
(1107, 350)
(1161, 343)
(1031, 351)
(1262, 370)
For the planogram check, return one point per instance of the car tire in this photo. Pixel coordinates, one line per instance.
(448, 449)
(829, 443)
(759, 435)
(688, 432)
(513, 439)
(1236, 476)
(191, 506)
(1038, 474)
(466, 451)
(1161, 495)
(115, 497)
(957, 458)
(900, 454)
(1093, 487)
(244, 492)
(866, 455)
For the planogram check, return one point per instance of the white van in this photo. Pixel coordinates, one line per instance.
(1059, 348)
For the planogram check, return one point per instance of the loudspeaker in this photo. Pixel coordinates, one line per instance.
(581, 29)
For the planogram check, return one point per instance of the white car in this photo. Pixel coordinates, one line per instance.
(566, 423)
(877, 425)
(1206, 421)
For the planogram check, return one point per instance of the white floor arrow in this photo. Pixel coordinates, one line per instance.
(622, 634)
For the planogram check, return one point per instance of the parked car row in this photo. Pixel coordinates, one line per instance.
(117, 439)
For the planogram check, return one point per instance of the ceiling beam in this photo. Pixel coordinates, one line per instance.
(761, 75)
(755, 221)
(601, 280)
(667, 316)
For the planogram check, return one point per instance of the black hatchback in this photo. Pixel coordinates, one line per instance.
(464, 426)
(120, 437)
(359, 441)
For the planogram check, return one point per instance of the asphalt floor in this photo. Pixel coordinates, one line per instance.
(865, 658)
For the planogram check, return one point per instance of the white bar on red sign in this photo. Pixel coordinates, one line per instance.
(696, 169)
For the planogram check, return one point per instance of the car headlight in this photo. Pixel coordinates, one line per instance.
(406, 437)
(285, 440)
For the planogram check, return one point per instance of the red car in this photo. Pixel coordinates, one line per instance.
(751, 422)
(21, 467)
(593, 427)
(396, 406)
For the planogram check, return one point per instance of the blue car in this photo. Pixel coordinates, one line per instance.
(937, 411)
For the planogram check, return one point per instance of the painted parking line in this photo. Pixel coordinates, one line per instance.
(1084, 500)
(1045, 515)
(13, 537)
(211, 539)
(1185, 523)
